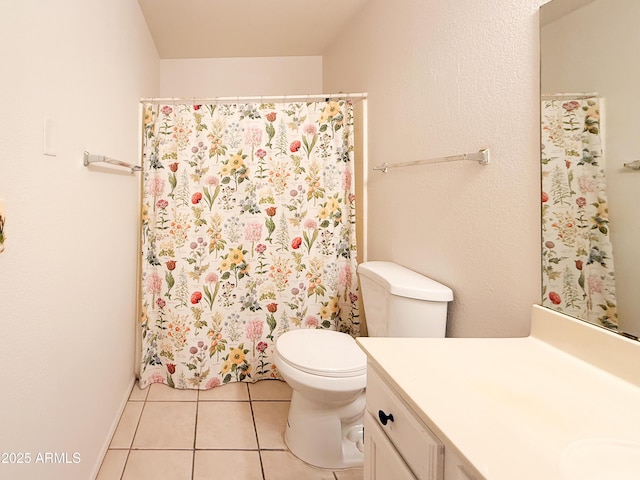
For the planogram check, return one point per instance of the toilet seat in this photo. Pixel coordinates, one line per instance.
(325, 353)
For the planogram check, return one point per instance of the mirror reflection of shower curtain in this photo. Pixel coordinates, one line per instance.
(577, 256)
(248, 230)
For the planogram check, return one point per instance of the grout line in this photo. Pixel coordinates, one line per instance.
(224, 400)
(165, 401)
(124, 467)
(163, 449)
(195, 437)
(261, 400)
(135, 432)
(227, 449)
(255, 430)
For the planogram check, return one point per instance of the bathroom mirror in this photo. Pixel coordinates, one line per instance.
(591, 217)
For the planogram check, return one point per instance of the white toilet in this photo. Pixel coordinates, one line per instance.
(327, 370)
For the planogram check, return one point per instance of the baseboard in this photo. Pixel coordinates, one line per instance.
(112, 430)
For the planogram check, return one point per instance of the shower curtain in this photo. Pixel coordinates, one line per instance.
(248, 231)
(578, 269)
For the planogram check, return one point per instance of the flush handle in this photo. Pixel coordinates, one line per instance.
(384, 418)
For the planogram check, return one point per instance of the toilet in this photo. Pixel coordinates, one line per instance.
(326, 370)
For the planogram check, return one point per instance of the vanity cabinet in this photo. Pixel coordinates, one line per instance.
(398, 445)
(504, 408)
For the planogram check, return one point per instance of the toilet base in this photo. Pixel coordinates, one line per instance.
(326, 437)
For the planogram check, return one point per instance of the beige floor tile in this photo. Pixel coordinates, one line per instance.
(158, 464)
(127, 425)
(350, 474)
(231, 391)
(270, 390)
(227, 464)
(271, 420)
(280, 465)
(166, 425)
(227, 425)
(113, 465)
(138, 394)
(159, 392)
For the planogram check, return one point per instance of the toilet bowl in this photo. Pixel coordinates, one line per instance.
(326, 370)
(327, 373)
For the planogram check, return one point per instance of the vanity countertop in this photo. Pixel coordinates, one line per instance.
(512, 406)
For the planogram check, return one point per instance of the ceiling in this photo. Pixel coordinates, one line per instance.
(245, 28)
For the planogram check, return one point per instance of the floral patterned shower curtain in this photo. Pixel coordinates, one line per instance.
(248, 230)
(578, 274)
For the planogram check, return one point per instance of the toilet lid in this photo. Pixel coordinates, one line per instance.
(325, 353)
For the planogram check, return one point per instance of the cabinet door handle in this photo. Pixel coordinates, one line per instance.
(384, 418)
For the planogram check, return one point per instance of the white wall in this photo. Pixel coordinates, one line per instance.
(222, 77)
(68, 274)
(447, 78)
(595, 49)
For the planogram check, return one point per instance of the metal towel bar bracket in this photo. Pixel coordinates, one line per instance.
(635, 165)
(88, 159)
(482, 157)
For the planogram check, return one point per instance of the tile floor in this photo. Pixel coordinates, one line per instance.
(230, 432)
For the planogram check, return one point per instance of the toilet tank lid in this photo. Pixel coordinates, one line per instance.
(403, 282)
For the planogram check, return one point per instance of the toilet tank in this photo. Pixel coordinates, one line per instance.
(399, 302)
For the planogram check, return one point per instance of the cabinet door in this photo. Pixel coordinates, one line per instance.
(381, 460)
(455, 468)
(421, 450)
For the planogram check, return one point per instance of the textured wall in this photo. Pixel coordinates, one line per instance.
(68, 274)
(220, 77)
(447, 78)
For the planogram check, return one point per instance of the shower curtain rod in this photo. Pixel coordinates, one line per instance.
(567, 96)
(262, 99)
